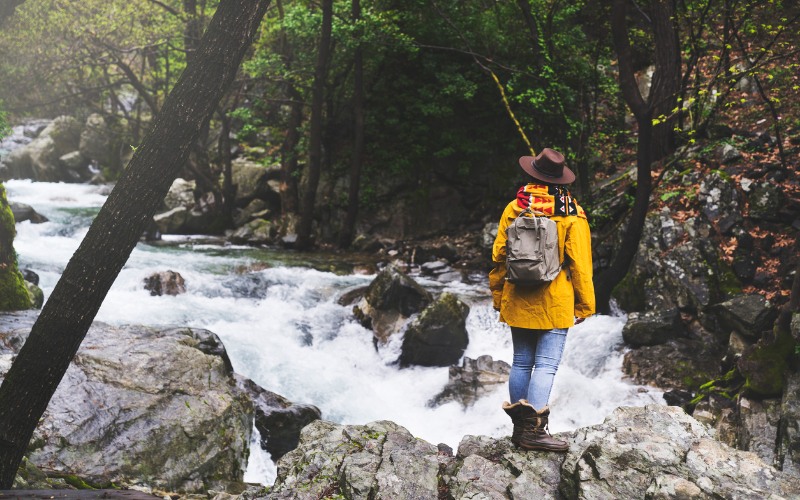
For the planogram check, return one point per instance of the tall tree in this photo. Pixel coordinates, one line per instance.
(349, 225)
(662, 13)
(314, 167)
(68, 314)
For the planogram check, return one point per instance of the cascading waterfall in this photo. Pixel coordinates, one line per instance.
(283, 328)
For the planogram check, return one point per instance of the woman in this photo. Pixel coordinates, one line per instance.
(540, 315)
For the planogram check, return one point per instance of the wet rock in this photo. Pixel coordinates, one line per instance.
(727, 153)
(605, 461)
(678, 364)
(23, 212)
(278, 420)
(758, 427)
(165, 283)
(249, 212)
(40, 159)
(36, 294)
(438, 336)
(353, 461)
(788, 442)
(141, 407)
(471, 380)
(101, 141)
(720, 201)
(765, 202)
(255, 232)
(390, 300)
(180, 194)
(749, 315)
(181, 220)
(650, 452)
(653, 327)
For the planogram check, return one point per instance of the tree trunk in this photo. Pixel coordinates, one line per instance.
(666, 86)
(67, 315)
(307, 206)
(290, 200)
(606, 281)
(348, 228)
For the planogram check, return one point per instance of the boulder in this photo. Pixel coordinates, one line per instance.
(720, 201)
(101, 141)
(250, 179)
(180, 194)
(181, 220)
(255, 232)
(354, 462)
(142, 407)
(727, 153)
(758, 427)
(652, 327)
(788, 442)
(41, 158)
(36, 294)
(165, 283)
(389, 301)
(473, 379)
(438, 336)
(766, 201)
(678, 364)
(23, 212)
(638, 452)
(247, 214)
(749, 315)
(278, 420)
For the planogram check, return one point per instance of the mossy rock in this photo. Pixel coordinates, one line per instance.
(13, 293)
(765, 364)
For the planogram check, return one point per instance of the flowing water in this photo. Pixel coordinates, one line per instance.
(277, 314)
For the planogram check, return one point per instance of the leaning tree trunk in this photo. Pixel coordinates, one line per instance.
(307, 204)
(68, 314)
(642, 110)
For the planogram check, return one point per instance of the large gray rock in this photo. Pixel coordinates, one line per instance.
(376, 460)
(653, 327)
(180, 194)
(438, 336)
(638, 451)
(181, 220)
(145, 407)
(40, 159)
(720, 201)
(678, 364)
(766, 201)
(650, 452)
(389, 301)
(23, 212)
(252, 181)
(748, 315)
(278, 420)
(788, 442)
(473, 379)
(101, 141)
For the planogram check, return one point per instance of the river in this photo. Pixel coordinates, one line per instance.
(277, 314)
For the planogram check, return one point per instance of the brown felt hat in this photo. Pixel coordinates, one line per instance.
(548, 166)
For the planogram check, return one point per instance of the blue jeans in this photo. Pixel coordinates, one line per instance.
(537, 354)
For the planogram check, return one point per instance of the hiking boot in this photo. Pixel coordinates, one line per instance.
(530, 428)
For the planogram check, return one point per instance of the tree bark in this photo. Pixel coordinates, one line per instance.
(666, 78)
(68, 314)
(643, 111)
(348, 228)
(307, 205)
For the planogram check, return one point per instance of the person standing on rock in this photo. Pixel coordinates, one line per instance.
(540, 315)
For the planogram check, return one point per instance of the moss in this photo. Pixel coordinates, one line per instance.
(727, 386)
(13, 293)
(630, 292)
(764, 366)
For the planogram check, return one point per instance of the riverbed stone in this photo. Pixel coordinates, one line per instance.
(23, 212)
(165, 283)
(142, 407)
(391, 298)
(473, 379)
(653, 327)
(180, 194)
(438, 336)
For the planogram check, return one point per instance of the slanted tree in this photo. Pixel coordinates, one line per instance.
(667, 64)
(68, 314)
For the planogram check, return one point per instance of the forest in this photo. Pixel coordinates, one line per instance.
(394, 128)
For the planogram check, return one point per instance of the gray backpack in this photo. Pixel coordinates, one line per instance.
(532, 250)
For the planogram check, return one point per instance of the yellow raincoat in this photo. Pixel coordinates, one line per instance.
(570, 294)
